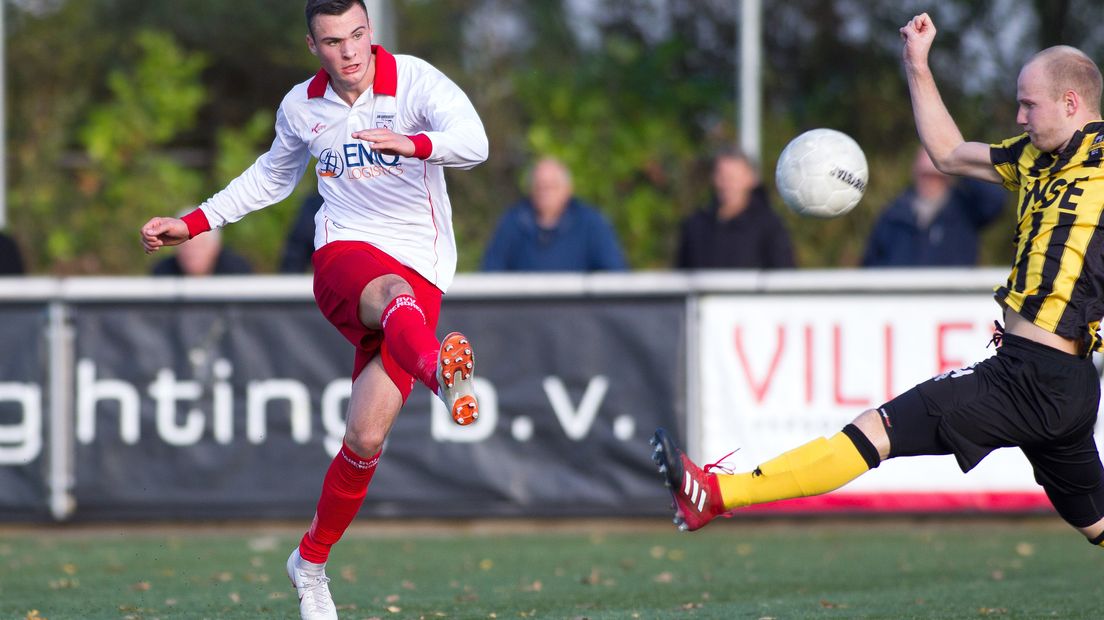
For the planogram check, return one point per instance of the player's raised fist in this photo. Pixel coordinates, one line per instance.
(161, 231)
(918, 35)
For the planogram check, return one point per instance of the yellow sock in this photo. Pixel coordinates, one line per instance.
(817, 467)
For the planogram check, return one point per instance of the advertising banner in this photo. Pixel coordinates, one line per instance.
(23, 405)
(779, 371)
(235, 409)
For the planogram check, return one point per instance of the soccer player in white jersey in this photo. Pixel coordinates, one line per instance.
(382, 127)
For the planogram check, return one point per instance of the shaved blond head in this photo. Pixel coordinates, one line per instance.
(1071, 69)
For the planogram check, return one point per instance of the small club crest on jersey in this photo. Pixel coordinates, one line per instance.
(385, 121)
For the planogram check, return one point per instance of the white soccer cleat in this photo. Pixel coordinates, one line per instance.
(455, 368)
(313, 587)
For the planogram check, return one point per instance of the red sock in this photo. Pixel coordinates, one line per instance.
(343, 492)
(410, 341)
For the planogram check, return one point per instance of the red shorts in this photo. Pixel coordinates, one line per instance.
(341, 271)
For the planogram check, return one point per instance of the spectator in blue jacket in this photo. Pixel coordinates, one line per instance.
(552, 230)
(936, 222)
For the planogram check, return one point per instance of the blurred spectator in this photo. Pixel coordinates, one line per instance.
(203, 256)
(299, 245)
(11, 259)
(936, 222)
(738, 230)
(552, 230)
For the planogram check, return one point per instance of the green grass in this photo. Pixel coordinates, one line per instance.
(1030, 568)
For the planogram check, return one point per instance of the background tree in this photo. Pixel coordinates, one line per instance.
(108, 125)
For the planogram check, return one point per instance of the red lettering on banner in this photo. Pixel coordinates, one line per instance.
(837, 372)
(809, 364)
(942, 364)
(759, 389)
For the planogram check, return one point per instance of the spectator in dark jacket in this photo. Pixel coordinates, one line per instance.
(552, 230)
(738, 230)
(299, 245)
(11, 259)
(936, 222)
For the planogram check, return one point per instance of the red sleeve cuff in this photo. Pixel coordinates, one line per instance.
(197, 222)
(423, 146)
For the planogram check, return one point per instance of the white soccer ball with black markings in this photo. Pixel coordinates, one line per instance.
(821, 173)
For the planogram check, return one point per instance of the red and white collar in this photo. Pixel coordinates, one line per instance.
(386, 81)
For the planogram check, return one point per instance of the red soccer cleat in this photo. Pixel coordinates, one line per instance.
(695, 491)
(455, 365)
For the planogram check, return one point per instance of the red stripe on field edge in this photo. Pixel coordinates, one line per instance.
(909, 502)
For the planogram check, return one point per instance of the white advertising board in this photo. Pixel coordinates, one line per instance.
(779, 370)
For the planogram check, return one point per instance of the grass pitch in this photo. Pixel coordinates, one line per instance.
(892, 569)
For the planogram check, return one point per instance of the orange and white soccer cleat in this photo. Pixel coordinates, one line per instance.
(455, 368)
(696, 494)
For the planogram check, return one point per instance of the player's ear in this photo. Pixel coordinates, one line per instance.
(1072, 102)
(310, 44)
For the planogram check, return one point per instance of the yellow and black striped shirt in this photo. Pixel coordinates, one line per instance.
(1057, 279)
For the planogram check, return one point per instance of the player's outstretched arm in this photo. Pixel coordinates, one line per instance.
(938, 131)
(161, 231)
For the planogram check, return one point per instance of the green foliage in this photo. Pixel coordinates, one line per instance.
(110, 125)
(129, 177)
(640, 168)
(259, 237)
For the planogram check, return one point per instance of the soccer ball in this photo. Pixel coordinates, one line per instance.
(821, 173)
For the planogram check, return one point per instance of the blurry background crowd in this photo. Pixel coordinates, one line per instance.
(118, 110)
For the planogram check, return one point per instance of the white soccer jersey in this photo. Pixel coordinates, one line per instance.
(398, 204)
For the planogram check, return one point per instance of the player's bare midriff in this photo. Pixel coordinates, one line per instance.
(1019, 326)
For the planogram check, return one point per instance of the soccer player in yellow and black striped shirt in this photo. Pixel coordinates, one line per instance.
(1040, 391)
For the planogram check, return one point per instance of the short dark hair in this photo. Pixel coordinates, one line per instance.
(731, 152)
(330, 7)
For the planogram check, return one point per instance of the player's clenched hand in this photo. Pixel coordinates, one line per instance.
(918, 35)
(386, 141)
(163, 231)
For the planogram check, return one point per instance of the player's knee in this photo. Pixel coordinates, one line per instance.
(377, 294)
(365, 443)
(1097, 541)
(386, 288)
(870, 423)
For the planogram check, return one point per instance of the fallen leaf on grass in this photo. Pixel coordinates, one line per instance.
(141, 586)
(1025, 549)
(348, 573)
(536, 586)
(992, 611)
(664, 577)
(830, 605)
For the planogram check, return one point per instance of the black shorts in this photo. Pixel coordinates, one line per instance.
(1027, 395)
